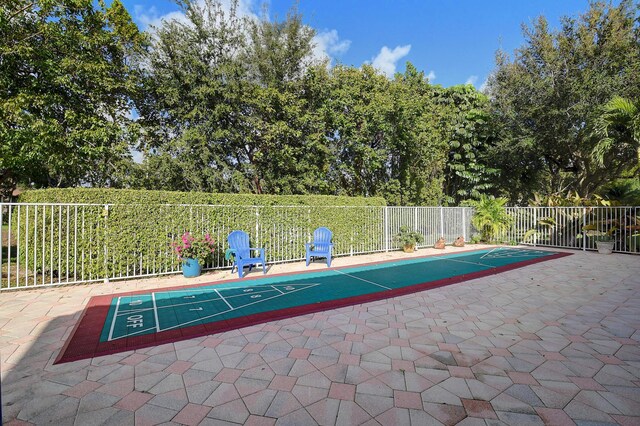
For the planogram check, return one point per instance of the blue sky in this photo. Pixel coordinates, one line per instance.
(453, 41)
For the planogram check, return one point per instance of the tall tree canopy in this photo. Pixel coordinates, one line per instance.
(66, 76)
(549, 96)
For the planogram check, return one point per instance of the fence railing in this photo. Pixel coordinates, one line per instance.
(576, 227)
(55, 244)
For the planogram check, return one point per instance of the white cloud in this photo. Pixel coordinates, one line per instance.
(483, 86)
(327, 44)
(386, 60)
(150, 17)
(431, 76)
(472, 80)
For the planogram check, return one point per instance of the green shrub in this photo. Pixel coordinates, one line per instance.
(112, 233)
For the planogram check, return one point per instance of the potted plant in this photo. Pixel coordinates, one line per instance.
(605, 243)
(408, 239)
(193, 252)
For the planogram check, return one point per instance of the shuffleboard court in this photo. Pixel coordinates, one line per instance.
(123, 322)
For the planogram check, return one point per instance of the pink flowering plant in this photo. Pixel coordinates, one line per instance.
(192, 247)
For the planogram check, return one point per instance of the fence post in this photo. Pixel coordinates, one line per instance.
(257, 226)
(464, 224)
(106, 245)
(441, 222)
(535, 223)
(386, 228)
(584, 231)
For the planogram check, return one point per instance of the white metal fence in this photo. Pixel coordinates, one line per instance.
(576, 227)
(55, 244)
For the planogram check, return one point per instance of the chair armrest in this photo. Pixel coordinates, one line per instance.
(307, 246)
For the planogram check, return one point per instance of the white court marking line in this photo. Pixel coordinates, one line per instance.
(225, 300)
(489, 252)
(214, 298)
(362, 279)
(466, 261)
(155, 311)
(113, 321)
(519, 253)
(277, 289)
(131, 334)
(266, 290)
(239, 307)
(134, 311)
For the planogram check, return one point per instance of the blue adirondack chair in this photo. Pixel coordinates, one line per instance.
(321, 245)
(242, 253)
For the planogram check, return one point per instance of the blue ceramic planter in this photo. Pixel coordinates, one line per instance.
(191, 268)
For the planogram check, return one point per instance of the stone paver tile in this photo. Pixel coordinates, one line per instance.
(153, 415)
(224, 393)
(402, 365)
(283, 383)
(554, 356)
(325, 411)
(520, 419)
(394, 416)
(448, 347)
(259, 421)
(476, 408)
(351, 413)
(403, 399)
(447, 414)
(505, 402)
(587, 383)
(106, 416)
(283, 404)
(179, 367)
(234, 411)
(522, 378)
(228, 375)
(298, 418)
(308, 395)
(254, 348)
(349, 359)
(258, 402)
(462, 372)
(580, 411)
(500, 352)
(192, 414)
(134, 359)
(342, 391)
(174, 400)
(554, 416)
(439, 395)
(81, 389)
(299, 353)
(626, 420)
(247, 386)
(610, 359)
(374, 404)
(133, 401)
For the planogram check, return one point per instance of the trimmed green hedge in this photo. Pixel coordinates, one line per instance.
(128, 196)
(132, 235)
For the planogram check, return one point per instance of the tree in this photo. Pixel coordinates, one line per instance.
(234, 101)
(358, 129)
(546, 100)
(469, 171)
(417, 145)
(66, 69)
(619, 128)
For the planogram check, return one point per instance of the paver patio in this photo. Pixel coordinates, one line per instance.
(552, 343)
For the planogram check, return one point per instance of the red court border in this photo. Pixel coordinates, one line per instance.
(85, 337)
